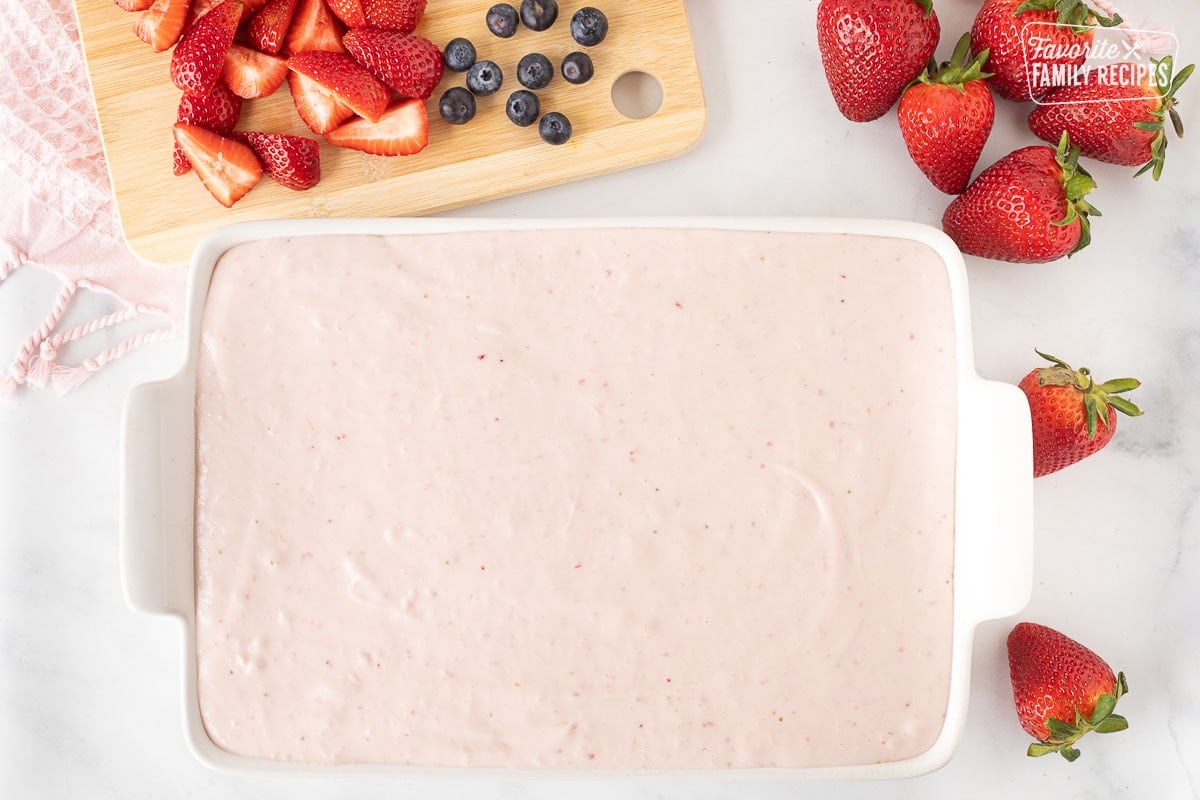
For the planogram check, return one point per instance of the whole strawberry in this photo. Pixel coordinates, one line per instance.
(1073, 416)
(945, 118)
(871, 49)
(1028, 207)
(1062, 690)
(1117, 115)
(1028, 39)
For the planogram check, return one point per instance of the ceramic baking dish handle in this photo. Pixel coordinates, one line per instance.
(995, 501)
(157, 474)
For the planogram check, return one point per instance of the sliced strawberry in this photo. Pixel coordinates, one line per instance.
(228, 169)
(412, 65)
(401, 131)
(320, 110)
(218, 111)
(270, 25)
(395, 15)
(160, 25)
(251, 7)
(252, 74)
(349, 11)
(196, 62)
(345, 79)
(134, 5)
(202, 7)
(292, 161)
(313, 28)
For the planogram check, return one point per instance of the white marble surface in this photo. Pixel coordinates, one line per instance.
(90, 691)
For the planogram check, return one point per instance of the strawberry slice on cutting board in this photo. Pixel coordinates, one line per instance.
(202, 7)
(412, 65)
(402, 131)
(251, 74)
(396, 15)
(161, 24)
(218, 111)
(313, 28)
(198, 58)
(349, 12)
(291, 161)
(345, 79)
(320, 110)
(134, 5)
(269, 26)
(227, 168)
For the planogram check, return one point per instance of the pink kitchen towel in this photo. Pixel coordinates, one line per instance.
(56, 206)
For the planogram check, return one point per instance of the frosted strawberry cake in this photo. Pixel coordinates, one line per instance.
(586, 499)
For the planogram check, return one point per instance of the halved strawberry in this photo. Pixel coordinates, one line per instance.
(412, 65)
(320, 110)
(252, 74)
(401, 131)
(395, 15)
(134, 5)
(349, 11)
(292, 161)
(270, 25)
(196, 62)
(218, 111)
(228, 169)
(313, 28)
(160, 25)
(346, 79)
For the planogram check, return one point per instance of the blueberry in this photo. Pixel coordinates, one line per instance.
(555, 128)
(538, 15)
(484, 78)
(589, 26)
(535, 71)
(577, 68)
(457, 106)
(522, 108)
(502, 20)
(459, 55)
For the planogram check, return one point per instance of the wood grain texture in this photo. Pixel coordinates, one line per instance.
(164, 215)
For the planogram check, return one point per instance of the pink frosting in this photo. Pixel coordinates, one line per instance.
(581, 499)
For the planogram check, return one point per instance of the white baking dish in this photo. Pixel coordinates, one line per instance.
(993, 500)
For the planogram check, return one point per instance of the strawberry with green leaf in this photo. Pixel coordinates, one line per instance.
(1029, 39)
(1118, 115)
(1028, 207)
(1073, 416)
(1062, 690)
(945, 117)
(871, 49)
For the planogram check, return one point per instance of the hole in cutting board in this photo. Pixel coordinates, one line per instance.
(637, 95)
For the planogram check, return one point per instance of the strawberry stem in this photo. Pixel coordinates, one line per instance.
(1077, 183)
(1168, 85)
(959, 70)
(1096, 398)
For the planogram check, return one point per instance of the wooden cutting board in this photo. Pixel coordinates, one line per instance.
(164, 215)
